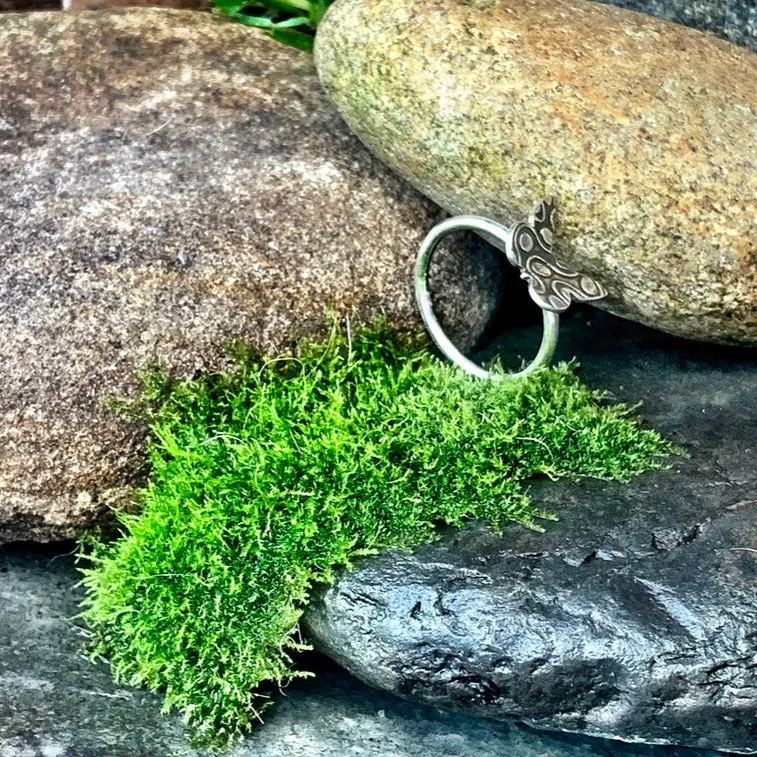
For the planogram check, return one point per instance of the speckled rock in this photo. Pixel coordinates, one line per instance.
(169, 182)
(741, 22)
(735, 20)
(634, 617)
(644, 130)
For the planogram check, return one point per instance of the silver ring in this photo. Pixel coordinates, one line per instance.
(528, 246)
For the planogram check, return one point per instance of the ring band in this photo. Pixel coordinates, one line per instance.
(423, 298)
(528, 246)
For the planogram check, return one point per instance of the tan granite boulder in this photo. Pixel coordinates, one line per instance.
(644, 131)
(170, 182)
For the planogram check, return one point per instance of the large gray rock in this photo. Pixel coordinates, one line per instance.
(643, 130)
(634, 617)
(735, 20)
(170, 182)
(54, 702)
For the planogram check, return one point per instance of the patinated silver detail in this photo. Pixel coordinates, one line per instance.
(551, 285)
(528, 246)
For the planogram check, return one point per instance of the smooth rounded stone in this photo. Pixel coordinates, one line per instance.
(643, 130)
(55, 702)
(170, 182)
(634, 617)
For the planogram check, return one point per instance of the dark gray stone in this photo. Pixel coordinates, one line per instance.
(634, 617)
(735, 20)
(55, 703)
(741, 22)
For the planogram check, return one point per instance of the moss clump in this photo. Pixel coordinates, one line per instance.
(270, 478)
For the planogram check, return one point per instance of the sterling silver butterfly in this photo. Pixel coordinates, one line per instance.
(550, 284)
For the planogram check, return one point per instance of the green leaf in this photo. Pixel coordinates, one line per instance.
(289, 6)
(278, 17)
(263, 22)
(228, 7)
(319, 7)
(294, 39)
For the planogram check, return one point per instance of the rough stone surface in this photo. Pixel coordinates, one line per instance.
(642, 129)
(634, 617)
(741, 22)
(170, 182)
(53, 701)
(735, 20)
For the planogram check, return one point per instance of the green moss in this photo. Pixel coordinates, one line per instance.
(269, 479)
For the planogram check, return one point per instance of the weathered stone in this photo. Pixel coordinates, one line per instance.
(53, 701)
(633, 617)
(644, 130)
(741, 22)
(170, 181)
(735, 20)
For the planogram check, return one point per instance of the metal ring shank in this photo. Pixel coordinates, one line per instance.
(423, 298)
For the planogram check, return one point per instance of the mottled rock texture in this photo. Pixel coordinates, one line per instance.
(735, 20)
(644, 130)
(633, 617)
(170, 182)
(55, 703)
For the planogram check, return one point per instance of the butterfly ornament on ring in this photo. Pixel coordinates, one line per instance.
(551, 285)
